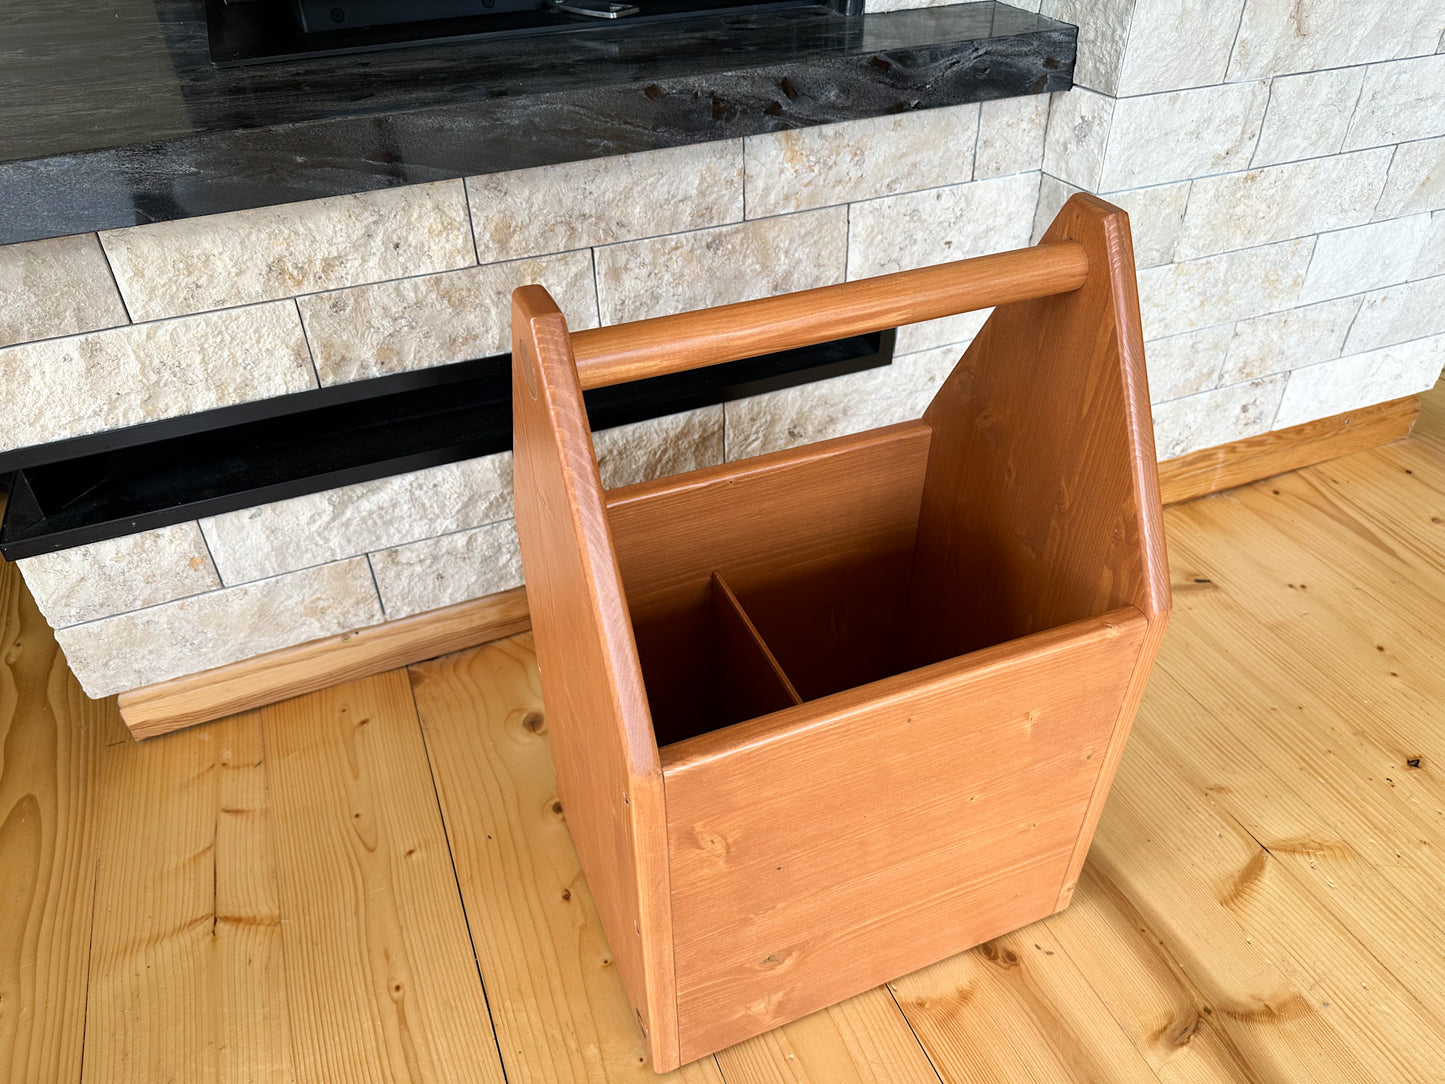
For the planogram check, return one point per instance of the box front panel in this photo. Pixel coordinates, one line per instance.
(874, 832)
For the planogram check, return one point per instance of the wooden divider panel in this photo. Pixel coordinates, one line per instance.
(608, 774)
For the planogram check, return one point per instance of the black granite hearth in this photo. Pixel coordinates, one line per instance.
(111, 113)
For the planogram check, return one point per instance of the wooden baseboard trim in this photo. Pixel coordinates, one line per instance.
(318, 664)
(278, 675)
(1240, 462)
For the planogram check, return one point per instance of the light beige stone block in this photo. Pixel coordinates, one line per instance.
(1401, 101)
(216, 261)
(1011, 136)
(1186, 364)
(143, 372)
(438, 572)
(1215, 417)
(1308, 115)
(119, 574)
(1431, 260)
(917, 229)
(1277, 37)
(1417, 180)
(219, 627)
(392, 327)
(834, 408)
(1176, 44)
(1187, 133)
(1103, 34)
(946, 331)
(1241, 210)
(1181, 297)
(859, 159)
(254, 543)
(1053, 194)
(1077, 137)
(1279, 341)
(687, 271)
(1411, 310)
(60, 286)
(1366, 257)
(574, 205)
(658, 447)
(1156, 218)
(1333, 387)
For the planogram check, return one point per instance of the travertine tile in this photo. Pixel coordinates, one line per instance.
(1308, 115)
(1180, 297)
(834, 408)
(1187, 133)
(216, 261)
(1186, 364)
(1053, 194)
(573, 205)
(1077, 137)
(197, 633)
(1431, 260)
(859, 159)
(438, 572)
(1359, 380)
(1011, 135)
(253, 543)
(142, 372)
(913, 338)
(687, 271)
(1416, 181)
(1279, 341)
(1240, 210)
(392, 327)
(1401, 101)
(1176, 44)
(1365, 257)
(897, 233)
(1156, 217)
(1277, 37)
(119, 574)
(1103, 33)
(1411, 310)
(1215, 417)
(657, 447)
(57, 287)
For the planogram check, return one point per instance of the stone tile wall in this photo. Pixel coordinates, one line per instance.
(1283, 163)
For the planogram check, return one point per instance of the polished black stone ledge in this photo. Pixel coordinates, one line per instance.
(111, 113)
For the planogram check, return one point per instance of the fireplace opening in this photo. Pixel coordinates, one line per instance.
(264, 31)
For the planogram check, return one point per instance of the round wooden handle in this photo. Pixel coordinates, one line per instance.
(692, 340)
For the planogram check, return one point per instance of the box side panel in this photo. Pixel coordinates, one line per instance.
(813, 860)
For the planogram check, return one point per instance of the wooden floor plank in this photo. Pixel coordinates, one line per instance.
(381, 982)
(49, 750)
(187, 976)
(1016, 1008)
(556, 1000)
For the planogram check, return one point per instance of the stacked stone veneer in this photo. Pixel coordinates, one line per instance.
(1283, 164)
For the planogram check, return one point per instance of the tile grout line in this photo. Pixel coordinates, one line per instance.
(306, 339)
(124, 305)
(375, 586)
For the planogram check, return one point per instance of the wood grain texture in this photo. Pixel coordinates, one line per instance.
(825, 848)
(1212, 470)
(381, 981)
(602, 740)
(50, 740)
(691, 340)
(318, 664)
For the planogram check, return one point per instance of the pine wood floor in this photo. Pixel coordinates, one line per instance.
(375, 882)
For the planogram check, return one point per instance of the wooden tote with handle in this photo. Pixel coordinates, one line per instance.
(825, 716)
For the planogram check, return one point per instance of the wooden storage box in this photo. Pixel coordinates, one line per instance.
(828, 715)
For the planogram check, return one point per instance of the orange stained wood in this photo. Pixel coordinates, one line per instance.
(607, 764)
(691, 340)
